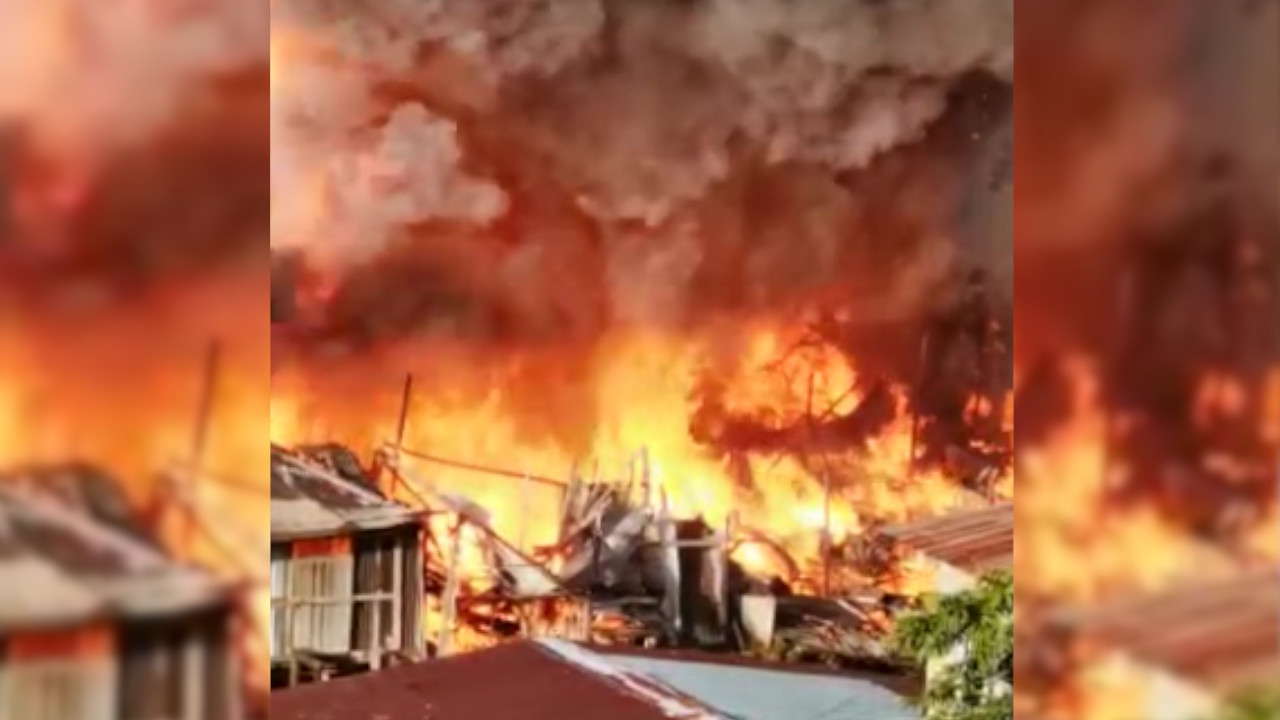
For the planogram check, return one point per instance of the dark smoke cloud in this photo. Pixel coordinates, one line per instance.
(550, 169)
(133, 145)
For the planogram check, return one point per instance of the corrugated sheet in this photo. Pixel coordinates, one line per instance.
(308, 500)
(558, 680)
(1220, 635)
(747, 693)
(58, 565)
(977, 541)
(519, 681)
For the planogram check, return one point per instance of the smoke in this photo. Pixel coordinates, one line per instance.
(133, 226)
(548, 169)
(86, 75)
(132, 135)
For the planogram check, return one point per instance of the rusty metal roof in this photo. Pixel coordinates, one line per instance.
(310, 500)
(60, 565)
(1219, 634)
(978, 541)
(558, 680)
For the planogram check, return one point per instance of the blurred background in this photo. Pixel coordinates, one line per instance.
(134, 356)
(1148, 263)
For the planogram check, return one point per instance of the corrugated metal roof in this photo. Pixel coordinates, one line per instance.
(58, 565)
(308, 500)
(747, 693)
(558, 680)
(978, 541)
(1220, 635)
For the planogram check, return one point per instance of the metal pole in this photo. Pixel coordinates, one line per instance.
(204, 411)
(916, 394)
(402, 425)
(826, 493)
(188, 497)
(406, 399)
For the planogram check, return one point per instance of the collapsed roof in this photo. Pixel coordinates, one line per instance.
(61, 565)
(314, 498)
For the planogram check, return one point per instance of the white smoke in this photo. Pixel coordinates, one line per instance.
(86, 74)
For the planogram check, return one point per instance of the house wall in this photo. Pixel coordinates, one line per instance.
(1159, 694)
(64, 674)
(947, 579)
(180, 667)
(354, 596)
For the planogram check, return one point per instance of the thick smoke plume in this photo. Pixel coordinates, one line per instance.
(133, 205)
(132, 140)
(546, 169)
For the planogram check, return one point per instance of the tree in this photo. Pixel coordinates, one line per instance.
(975, 629)
(1262, 704)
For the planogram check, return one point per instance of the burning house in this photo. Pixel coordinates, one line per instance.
(97, 622)
(346, 568)
(555, 679)
(1179, 654)
(656, 406)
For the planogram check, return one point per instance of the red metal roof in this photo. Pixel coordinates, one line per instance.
(518, 681)
(560, 680)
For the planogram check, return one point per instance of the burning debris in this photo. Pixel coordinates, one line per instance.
(625, 569)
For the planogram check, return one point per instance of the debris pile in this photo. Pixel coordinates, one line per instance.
(625, 570)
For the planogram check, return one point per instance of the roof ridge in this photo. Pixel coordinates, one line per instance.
(668, 700)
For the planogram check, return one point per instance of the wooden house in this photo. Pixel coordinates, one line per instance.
(346, 571)
(98, 623)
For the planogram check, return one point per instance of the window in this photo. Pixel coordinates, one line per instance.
(375, 575)
(321, 585)
(279, 589)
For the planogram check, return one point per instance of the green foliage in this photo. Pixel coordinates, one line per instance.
(981, 622)
(1262, 704)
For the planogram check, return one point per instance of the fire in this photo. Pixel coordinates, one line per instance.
(1074, 542)
(626, 414)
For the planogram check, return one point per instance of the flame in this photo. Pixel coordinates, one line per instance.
(1075, 543)
(637, 395)
(123, 393)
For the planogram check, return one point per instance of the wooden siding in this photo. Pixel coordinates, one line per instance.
(360, 605)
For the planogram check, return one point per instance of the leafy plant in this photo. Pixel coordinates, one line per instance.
(1261, 704)
(968, 637)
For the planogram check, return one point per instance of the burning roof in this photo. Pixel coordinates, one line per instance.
(978, 541)
(1219, 635)
(60, 565)
(310, 499)
(546, 679)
